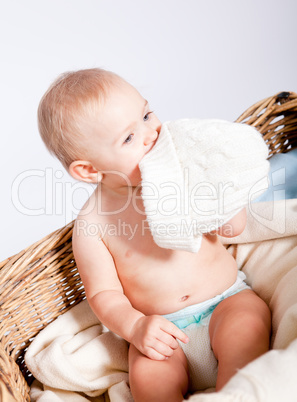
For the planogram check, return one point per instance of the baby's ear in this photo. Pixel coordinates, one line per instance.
(85, 171)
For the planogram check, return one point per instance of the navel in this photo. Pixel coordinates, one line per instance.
(184, 298)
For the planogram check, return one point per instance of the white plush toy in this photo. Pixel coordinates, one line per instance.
(200, 174)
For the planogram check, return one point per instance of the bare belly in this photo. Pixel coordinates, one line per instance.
(160, 281)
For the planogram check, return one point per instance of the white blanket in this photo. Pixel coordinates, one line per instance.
(199, 175)
(76, 359)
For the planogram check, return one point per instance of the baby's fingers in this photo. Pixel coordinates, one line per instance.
(168, 339)
(163, 348)
(155, 355)
(173, 330)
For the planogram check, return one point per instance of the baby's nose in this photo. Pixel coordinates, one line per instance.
(150, 137)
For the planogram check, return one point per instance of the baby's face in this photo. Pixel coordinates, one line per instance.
(124, 130)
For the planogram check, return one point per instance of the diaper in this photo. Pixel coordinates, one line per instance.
(194, 321)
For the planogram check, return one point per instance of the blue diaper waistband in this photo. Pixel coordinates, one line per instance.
(198, 312)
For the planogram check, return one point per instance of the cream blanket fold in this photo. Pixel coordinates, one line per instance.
(199, 174)
(76, 358)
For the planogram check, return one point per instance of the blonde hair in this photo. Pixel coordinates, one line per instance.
(70, 100)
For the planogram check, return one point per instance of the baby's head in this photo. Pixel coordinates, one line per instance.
(96, 123)
(68, 104)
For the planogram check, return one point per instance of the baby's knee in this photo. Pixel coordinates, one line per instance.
(156, 378)
(254, 324)
(256, 315)
(244, 314)
(137, 366)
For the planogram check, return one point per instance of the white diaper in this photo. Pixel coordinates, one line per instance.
(194, 321)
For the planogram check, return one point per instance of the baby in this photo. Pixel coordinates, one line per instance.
(100, 128)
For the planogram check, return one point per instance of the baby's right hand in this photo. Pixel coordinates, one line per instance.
(155, 337)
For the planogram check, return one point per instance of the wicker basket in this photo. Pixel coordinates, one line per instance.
(42, 282)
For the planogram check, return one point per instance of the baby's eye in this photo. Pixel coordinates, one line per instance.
(146, 116)
(129, 139)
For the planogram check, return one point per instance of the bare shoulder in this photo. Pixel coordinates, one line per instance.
(93, 259)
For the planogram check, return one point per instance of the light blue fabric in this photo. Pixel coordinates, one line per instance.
(195, 318)
(197, 313)
(282, 177)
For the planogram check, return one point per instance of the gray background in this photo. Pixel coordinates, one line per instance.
(189, 58)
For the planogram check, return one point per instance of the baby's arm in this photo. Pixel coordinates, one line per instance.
(234, 227)
(153, 335)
